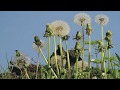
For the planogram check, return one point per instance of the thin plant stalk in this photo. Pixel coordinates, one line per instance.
(76, 75)
(47, 62)
(108, 61)
(104, 65)
(68, 59)
(48, 51)
(89, 49)
(55, 55)
(48, 54)
(61, 52)
(26, 73)
(38, 61)
(102, 53)
(83, 46)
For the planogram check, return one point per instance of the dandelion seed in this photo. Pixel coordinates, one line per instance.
(101, 19)
(82, 19)
(43, 46)
(59, 61)
(60, 28)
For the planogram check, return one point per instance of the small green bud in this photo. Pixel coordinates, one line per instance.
(109, 33)
(17, 53)
(89, 29)
(78, 36)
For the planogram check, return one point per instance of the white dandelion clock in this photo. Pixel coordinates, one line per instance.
(59, 61)
(22, 60)
(80, 65)
(60, 28)
(82, 19)
(43, 46)
(101, 19)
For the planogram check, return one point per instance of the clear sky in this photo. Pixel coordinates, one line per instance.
(18, 28)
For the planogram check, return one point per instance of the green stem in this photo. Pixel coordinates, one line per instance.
(26, 74)
(108, 59)
(48, 51)
(49, 55)
(61, 52)
(89, 49)
(60, 41)
(108, 62)
(68, 59)
(76, 75)
(55, 55)
(47, 62)
(83, 46)
(102, 63)
(38, 60)
(103, 56)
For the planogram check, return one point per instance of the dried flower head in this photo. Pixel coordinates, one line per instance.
(101, 19)
(60, 28)
(42, 46)
(82, 19)
(59, 61)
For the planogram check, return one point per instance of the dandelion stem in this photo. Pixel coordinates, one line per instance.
(48, 54)
(89, 49)
(108, 59)
(68, 59)
(102, 62)
(47, 62)
(55, 55)
(61, 52)
(26, 74)
(38, 61)
(83, 46)
(76, 75)
(48, 51)
(109, 62)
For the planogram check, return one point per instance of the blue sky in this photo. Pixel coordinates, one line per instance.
(18, 28)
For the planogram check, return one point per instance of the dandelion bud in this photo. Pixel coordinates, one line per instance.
(17, 53)
(89, 29)
(37, 40)
(78, 36)
(109, 33)
(48, 31)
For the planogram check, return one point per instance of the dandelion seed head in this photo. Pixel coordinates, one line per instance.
(60, 28)
(59, 61)
(22, 60)
(80, 65)
(101, 19)
(82, 19)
